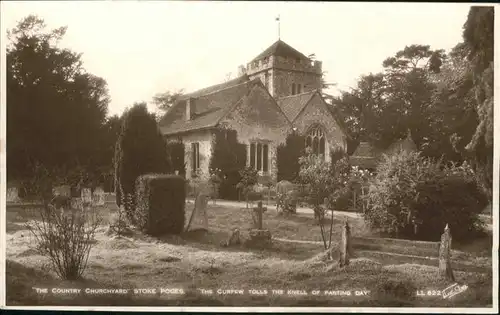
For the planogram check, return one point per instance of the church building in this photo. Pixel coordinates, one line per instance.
(278, 92)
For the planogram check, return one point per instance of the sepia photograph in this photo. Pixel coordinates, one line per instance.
(279, 156)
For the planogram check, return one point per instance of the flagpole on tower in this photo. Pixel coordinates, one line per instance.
(278, 20)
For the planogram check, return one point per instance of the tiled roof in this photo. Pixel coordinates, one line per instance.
(216, 87)
(207, 108)
(282, 49)
(292, 105)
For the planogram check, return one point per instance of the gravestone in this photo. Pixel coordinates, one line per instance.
(233, 239)
(62, 190)
(13, 194)
(445, 255)
(258, 235)
(86, 197)
(98, 197)
(345, 245)
(199, 217)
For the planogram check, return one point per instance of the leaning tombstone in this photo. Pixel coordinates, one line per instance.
(445, 255)
(345, 245)
(98, 197)
(199, 217)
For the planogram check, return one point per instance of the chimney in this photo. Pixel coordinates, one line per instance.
(189, 107)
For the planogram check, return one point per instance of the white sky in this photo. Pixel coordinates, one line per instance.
(141, 48)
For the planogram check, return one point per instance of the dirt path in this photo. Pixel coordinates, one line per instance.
(303, 210)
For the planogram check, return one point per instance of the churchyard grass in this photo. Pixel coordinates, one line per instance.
(195, 260)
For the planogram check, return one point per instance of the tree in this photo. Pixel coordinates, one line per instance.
(165, 100)
(55, 109)
(479, 42)
(140, 150)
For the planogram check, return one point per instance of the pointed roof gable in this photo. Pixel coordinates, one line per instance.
(292, 105)
(208, 108)
(282, 49)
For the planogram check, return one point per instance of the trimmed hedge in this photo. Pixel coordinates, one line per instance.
(160, 203)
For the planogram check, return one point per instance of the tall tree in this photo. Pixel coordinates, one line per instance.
(478, 37)
(55, 109)
(140, 149)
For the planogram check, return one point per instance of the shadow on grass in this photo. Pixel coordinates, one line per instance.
(21, 282)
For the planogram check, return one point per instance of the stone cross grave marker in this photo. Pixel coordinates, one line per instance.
(98, 197)
(199, 217)
(258, 215)
(444, 255)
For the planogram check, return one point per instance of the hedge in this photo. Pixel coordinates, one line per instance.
(160, 202)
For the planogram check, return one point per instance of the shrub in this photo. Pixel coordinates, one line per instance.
(287, 157)
(411, 190)
(66, 238)
(160, 204)
(287, 202)
(247, 182)
(140, 149)
(229, 156)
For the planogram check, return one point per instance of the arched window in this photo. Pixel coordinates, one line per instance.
(293, 88)
(315, 139)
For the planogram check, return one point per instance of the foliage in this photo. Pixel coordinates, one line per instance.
(247, 182)
(215, 180)
(160, 204)
(229, 156)
(288, 155)
(323, 180)
(410, 190)
(287, 202)
(140, 150)
(56, 110)
(165, 100)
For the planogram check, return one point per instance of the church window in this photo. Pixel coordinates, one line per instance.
(259, 156)
(316, 141)
(266, 80)
(195, 156)
(293, 88)
(299, 88)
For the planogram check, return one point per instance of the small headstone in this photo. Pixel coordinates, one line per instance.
(98, 197)
(233, 239)
(13, 194)
(445, 255)
(345, 245)
(86, 196)
(63, 191)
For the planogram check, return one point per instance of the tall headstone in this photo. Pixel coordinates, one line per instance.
(13, 194)
(86, 196)
(345, 245)
(445, 255)
(98, 197)
(199, 217)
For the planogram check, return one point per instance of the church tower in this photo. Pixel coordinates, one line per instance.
(285, 71)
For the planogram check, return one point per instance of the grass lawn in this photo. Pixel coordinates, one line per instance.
(195, 261)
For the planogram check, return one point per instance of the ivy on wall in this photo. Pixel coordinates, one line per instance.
(229, 156)
(288, 157)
